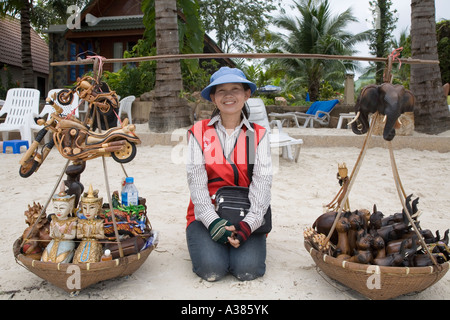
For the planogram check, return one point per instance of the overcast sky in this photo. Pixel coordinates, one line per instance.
(360, 9)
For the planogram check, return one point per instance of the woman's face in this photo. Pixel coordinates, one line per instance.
(230, 98)
(89, 210)
(61, 209)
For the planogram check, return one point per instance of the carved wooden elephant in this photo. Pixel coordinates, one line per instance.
(389, 100)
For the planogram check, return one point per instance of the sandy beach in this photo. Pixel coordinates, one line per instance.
(298, 193)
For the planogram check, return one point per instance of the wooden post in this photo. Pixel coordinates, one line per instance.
(349, 89)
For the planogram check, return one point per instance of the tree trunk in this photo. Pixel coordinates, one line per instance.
(382, 42)
(169, 110)
(431, 113)
(27, 62)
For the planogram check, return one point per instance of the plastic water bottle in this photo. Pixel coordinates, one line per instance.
(129, 193)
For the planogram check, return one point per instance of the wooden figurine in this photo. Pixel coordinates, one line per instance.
(37, 235)
(89, 229)
(62, 230)
(343, 246)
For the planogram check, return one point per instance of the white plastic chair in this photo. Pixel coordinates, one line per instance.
(278, 138)
(48, 110)
(125, 107)
(83, 110)
(287, 116)
(20, 106)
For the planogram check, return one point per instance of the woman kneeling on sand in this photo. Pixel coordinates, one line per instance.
(218, 157)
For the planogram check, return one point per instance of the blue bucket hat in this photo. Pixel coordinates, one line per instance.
(226, 75)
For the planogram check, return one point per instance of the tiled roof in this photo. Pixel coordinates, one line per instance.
(115, 23)
(10, 46)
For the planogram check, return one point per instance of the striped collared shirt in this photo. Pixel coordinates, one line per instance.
(259, 190)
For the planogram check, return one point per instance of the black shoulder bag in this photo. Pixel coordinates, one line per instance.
(232, 202)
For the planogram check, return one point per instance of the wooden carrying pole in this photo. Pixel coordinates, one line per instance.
(242, 55)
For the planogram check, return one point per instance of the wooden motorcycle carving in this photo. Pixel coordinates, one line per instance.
(98, 96)
(75, 141)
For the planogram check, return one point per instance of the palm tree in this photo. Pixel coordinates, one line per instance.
(431, 111)
(316, 31)
(22, 7)
(169, 111)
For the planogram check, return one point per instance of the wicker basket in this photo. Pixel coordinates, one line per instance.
(393, 281)
(90, 273)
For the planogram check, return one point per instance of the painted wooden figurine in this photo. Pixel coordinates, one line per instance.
(89, 229)
(63, 227)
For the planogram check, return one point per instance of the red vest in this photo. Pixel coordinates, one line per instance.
(222, 171)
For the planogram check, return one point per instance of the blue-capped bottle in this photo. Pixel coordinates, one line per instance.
(129, 193)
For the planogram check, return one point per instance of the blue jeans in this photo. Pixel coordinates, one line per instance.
(212, 261)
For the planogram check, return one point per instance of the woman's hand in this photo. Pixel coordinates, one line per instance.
(218, 230)
(232, 240)
(240, 233)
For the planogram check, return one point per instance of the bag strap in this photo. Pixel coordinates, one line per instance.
(251, 152)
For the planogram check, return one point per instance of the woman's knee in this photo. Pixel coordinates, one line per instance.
(249, 261)
(210, 271)
(248, 272)
(209, 259)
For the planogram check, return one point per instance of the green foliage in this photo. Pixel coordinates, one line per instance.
(198, 78)
(402, 72)
(44, 12)
(239, 25)
(131, 80)
(383, 27)
(381, 40)
(135, 80)
(9, 83)
(443, 38)
(444, 57)
(190, 33)
(256, 74)
(148, 8)
(326, 91)
(268, 101)
(315, 30)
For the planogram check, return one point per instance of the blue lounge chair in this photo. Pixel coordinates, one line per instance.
(319, 111)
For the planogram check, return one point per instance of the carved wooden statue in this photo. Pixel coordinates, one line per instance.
(62, 230)
(37, 235)
(89, 229)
